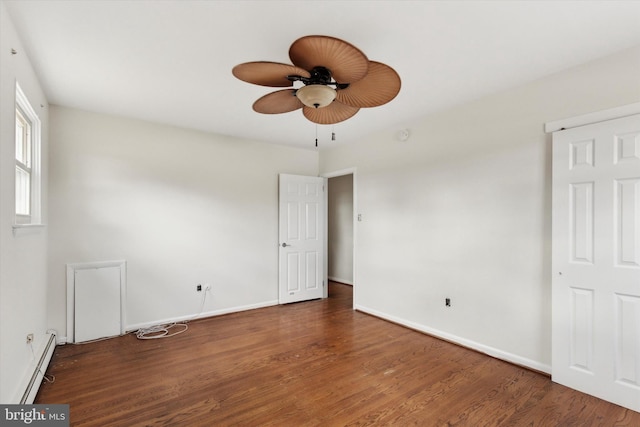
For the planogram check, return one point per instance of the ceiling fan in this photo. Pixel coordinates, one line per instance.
(337, 80)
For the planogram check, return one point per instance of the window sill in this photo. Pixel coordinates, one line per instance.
(18, 227)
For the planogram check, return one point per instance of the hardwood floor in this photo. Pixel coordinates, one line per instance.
(317, 363)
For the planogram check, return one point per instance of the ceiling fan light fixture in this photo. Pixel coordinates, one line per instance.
(316, 96)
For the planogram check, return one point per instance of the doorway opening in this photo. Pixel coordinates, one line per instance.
(341, 228)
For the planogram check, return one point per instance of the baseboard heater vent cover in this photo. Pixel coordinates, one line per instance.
(38, 372)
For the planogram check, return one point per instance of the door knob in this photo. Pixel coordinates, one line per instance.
(284, 245)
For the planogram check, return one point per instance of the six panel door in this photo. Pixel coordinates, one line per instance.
(302, 228)
(596, 260)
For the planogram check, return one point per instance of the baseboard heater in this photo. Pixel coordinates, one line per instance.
(38, 372)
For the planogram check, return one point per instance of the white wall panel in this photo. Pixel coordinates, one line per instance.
(24, 296)
(462, 209)
(182, 207)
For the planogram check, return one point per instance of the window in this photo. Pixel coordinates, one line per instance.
(23, 165)
(27, 162)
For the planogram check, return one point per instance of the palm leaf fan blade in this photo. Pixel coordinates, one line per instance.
(281, 101)
(346, 62)
(264, 73)
(379, 86)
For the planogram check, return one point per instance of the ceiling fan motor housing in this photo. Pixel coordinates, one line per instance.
(320, 75)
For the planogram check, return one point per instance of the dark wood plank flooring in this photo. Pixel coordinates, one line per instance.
(316, 363)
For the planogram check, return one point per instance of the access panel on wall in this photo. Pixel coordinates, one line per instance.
(95, 300)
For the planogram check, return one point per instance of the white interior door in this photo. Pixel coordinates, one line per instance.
(302, 238)
(596, 260)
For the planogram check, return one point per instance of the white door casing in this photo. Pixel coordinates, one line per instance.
(302, 238)
(596, 260)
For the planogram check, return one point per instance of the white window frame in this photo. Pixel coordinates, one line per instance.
(24, 108)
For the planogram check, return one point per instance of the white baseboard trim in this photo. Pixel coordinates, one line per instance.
(338, 279)
(202, 315)
(490, 351)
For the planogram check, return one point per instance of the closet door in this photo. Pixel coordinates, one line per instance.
(596, 260)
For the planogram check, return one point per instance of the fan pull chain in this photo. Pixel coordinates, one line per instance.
(316, 136)
(333, 133)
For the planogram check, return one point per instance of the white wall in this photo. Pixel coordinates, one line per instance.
(463, 210)
(23, 255)
(181, 207)
(340, 228)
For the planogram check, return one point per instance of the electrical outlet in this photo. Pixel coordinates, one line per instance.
(29, 338)
(199, 288)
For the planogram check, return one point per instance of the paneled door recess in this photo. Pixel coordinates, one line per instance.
(95, 300)
(596, 260)
(302, 238)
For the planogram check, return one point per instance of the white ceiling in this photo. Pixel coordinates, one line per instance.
(170, 61)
